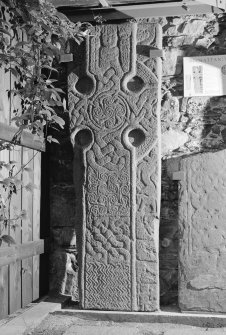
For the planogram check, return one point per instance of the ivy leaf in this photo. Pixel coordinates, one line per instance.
(2, 30)
(65, 104)
(28, 169)
(23, 214)
(55, 96)
(56, 103)
(47, 113)
(14, 190)
(14, 72)
(58, 120)
(18, 182)
(7, 166)
(8, 239)
(59, 90)
(61, 16)
(50, 139)
(7, 181)
(49, 68)
(50, 81)
(30, 187)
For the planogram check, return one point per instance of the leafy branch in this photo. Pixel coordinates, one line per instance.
(32, 39)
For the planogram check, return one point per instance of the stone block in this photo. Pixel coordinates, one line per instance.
(204, 42)
(64, 236)
(173, 62)
(173, 139)
(62, 206)
(202, 216)
(172, 31)
(64, 273)
(180, 41)
(177, 20)
(114, 102)
(193, 27)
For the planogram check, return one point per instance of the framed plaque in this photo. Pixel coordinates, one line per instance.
(205, 75)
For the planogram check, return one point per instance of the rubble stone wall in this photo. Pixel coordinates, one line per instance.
(189, 125)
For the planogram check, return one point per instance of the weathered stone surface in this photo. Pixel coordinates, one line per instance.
(180, 41)
(64, 273)
(194, 27)
(87, 330)
(204, 42)
(62, 206)
(114, 106)
(173, 139)
(202, 215)
(172, 30)
(64, 236)
(170, 113)
(172, 64)
(77, 322)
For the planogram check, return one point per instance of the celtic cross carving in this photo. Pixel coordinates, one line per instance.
(114, 93)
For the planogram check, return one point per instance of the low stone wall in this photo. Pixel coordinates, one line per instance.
(189, 125)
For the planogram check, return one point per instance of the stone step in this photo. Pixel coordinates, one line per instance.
(171, 316)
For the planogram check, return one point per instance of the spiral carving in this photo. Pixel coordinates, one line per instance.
(109, 112)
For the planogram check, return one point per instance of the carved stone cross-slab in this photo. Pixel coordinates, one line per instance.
(202, 233)
(114, 96)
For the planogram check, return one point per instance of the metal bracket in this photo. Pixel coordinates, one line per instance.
(104, 3)
(178, 175)
(156, 53)
(216, 3)
(66, 58)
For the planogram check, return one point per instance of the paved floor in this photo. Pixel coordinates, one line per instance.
(48, 318)
(56, 324)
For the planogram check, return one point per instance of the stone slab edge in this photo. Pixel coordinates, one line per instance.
(30, 318)
(199, 320)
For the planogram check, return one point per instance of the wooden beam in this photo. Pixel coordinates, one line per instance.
(18, 252)
(95, 3)
(217, 3)
(28, 140)
(132, 2)
(138, 11)
(76, 3)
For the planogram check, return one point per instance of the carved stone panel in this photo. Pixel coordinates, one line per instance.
(202, 225)
(114, 90)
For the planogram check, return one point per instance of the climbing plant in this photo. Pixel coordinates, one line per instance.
(33, 35)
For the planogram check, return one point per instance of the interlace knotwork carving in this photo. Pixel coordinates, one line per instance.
(117, 177)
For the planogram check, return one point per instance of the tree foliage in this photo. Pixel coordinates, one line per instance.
(33, 35)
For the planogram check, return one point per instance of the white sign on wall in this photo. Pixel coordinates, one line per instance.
(205, 76)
